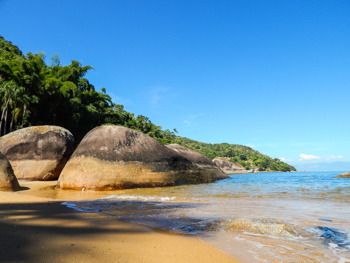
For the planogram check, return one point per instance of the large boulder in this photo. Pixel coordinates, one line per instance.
(38, 152)
(114, 157)
(344, 175)
(203, 162)
(8, 181)
(228, 166)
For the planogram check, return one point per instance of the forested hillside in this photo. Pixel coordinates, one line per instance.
(247, 157)
(33, 92)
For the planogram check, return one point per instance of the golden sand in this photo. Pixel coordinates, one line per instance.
(36, 227)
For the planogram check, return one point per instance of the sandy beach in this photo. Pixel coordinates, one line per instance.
(36, 227)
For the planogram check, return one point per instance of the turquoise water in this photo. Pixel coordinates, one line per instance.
(272, 217)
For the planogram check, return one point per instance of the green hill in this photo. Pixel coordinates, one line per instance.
(33, 92)
(246, 156)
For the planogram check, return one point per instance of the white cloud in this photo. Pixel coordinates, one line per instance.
(308, 157)
(192, 119)
(282, 159)
(120, 100)
(332, 157)
(157, 94)
(160, 96)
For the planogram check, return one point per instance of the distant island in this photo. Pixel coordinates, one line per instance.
(33, 92)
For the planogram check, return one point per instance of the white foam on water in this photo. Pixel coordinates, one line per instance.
(80, 209)
(169, 207)
(286, 247)
(343, 260)
(260, 259)
(137, 198)
(256, 244)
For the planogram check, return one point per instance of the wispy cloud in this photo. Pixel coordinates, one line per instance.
(252, 145)
(304, 157)
(119, 100)
(191, 119)
(158, 95)
(333, 157)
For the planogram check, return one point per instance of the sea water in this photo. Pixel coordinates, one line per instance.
(264, 217)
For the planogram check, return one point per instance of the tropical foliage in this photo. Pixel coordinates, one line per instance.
(35, 93)
(246, 156)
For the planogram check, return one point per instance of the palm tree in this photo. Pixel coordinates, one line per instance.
(7, 92)
(18, 92)
(26, 100)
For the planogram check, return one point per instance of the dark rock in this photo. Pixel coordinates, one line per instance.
(8, 181)
(335, 236)
(114, 157)
(228, 166)
(203, 162)
(38, 152)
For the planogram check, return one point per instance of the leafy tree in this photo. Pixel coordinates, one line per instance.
(240, 154)
(34, 93)
(7, 91)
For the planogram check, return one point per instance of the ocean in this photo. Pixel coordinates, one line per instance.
(263, 217)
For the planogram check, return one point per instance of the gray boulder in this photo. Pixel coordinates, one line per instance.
(229, 167)
(38, 152)
(203, 162)
(114, 157)
(8, 181)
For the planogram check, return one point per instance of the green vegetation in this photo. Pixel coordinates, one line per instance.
(34, 93)
(245, 156)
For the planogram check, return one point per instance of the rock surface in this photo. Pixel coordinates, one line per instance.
(203, 162)
(228, 166)
(8, 181)
(38, 152)
(264, 226)
(114, 157)
(344, 175)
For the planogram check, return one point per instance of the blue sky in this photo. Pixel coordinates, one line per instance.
(272, 75)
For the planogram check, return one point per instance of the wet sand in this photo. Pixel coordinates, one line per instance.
(36, 227)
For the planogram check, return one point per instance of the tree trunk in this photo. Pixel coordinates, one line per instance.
(12, 117)
(3, 116)
(24, 113)
(5, 121)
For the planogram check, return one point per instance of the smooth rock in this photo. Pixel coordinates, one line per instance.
(38, 152)
(114, 157)
(344, 175)
(264, 226)
(205, 163)
(8, 181)
(229, 167)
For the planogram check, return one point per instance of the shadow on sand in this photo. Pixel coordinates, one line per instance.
(51, 230)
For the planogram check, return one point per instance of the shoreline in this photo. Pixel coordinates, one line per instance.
(36, 227)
